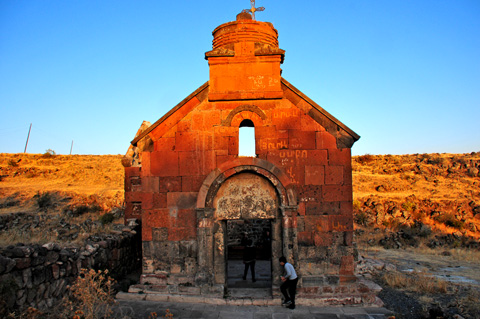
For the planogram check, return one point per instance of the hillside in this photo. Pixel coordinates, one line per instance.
(428, 205)
(421, 193)
(86, 179)
(433, 192)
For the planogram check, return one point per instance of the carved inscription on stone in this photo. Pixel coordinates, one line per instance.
(246, 196)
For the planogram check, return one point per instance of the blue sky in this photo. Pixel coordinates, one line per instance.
(404, 75)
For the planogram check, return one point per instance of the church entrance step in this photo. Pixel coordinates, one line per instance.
(249, 293)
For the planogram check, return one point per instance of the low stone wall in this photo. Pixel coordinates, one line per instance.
(38, 275)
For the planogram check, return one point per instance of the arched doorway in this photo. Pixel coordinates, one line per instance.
(220, 200)
(247, 205)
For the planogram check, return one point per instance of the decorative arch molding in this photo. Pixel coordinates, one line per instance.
(242, 112)
(212, 231)
(281, 181)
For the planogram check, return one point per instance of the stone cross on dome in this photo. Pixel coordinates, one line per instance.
(253, 9)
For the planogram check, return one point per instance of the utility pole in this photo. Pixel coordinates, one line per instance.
(28, 137)
(71, 147)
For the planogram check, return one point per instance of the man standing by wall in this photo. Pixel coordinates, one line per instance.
(249, 258)
(289, 285)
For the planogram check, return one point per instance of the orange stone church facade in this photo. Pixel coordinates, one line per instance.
(184, 178)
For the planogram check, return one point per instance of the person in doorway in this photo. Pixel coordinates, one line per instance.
(289, 283)
(249, 258)
(267, 245)
(243, 240)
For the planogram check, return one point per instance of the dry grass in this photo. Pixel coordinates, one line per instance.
(469, 301)
(415, 282)
(83, 177)
(52, 231)
(51, 188)
(435, 176)
(455, 254)
(419, 184)
(368, 240)
(90, 297)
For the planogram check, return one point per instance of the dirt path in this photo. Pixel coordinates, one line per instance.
(449, 268)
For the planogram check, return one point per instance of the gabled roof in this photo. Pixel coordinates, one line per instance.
(344, 135)
(199, 94)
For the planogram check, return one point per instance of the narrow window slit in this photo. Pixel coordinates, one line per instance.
(246, 143)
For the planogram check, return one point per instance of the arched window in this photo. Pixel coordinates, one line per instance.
(246, 143)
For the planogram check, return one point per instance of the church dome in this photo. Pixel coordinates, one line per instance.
(244, 29)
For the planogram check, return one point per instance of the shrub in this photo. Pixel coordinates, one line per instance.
(393, 224)
(49, 153)
(416, 282)
(83, 209)
(361, 218)
(12, 163)
(455, 223)
(44, 200)
(106, 218)
(80, 210)
(91, 296)
(436, 160)
(409, 206)
(449, 219)
(469, 300)
(9, 202)
(365, 159)
(31, 174)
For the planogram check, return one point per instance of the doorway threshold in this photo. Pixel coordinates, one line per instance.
(249, 293)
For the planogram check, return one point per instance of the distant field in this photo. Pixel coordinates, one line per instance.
(387, 188)
(84, 178)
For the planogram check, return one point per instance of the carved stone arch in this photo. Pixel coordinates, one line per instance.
(211, 230)
(280, 180)
(242, 112)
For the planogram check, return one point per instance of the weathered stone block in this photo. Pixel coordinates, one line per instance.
(301, 140)
(6, 264)
(164, 163)
(332, 280)
(165, 144)
(159, 200)
(182, 200)
(186, 218)
(313, 281)
(186, 141)
(159, 233)
(315, 175)
(336, 193)
(305, 238)
(325, 140)
(187, 249)
(340, 157)
(347, 266)
(334, 175)
(192, 183)
(169, 184)
(178, 234)
(323, 239)
(322, 208)
(184, 203)
(152, 279)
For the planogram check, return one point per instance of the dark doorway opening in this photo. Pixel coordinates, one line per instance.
(239, 233)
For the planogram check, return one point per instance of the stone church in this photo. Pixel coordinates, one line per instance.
(196, 195)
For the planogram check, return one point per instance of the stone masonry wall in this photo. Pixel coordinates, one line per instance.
(38, 275)
(192, 179)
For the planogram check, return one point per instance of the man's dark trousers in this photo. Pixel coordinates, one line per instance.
(250, 265)
(291, 287)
